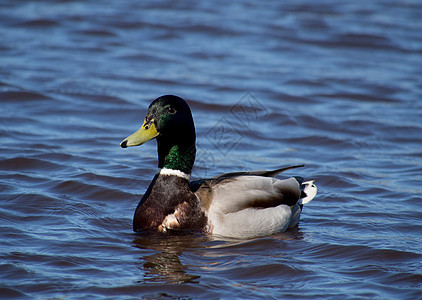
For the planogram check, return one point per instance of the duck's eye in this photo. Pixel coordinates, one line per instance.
(171, 110)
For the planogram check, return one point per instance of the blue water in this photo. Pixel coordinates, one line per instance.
(335, 86)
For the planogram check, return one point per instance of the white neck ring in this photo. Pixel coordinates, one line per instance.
(178, 173)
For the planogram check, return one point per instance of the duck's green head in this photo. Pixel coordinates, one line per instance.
(169, 120)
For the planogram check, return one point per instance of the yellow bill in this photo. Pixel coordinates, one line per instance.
(144, 134)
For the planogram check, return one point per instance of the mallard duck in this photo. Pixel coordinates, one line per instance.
(236, 205)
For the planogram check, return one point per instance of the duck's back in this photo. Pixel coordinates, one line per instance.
(248, 205)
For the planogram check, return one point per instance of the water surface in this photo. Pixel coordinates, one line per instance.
(335, 86)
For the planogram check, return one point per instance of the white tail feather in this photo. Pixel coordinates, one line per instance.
(310, 191)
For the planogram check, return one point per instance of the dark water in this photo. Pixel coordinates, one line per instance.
(336, 86)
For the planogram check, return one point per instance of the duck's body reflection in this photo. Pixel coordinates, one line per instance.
(165, 265)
